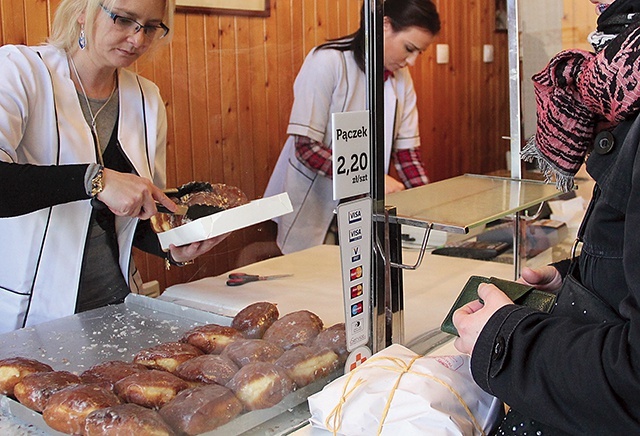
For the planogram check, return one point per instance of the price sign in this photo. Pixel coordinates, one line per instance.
(350, 154)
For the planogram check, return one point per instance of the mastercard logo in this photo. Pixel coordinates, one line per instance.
(355, 273)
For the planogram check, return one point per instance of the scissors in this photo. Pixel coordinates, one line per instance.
(237, 279)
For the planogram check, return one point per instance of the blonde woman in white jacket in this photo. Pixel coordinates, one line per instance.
(82, 161)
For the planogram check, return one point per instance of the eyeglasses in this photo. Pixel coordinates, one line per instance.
(131, 26)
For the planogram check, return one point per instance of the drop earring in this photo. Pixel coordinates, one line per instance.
(82, 40)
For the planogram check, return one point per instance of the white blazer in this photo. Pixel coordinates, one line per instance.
(41, 122)
(329, 82)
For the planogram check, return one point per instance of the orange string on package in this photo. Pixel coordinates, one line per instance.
(333, 422)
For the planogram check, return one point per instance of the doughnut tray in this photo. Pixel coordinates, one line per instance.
(118, 332)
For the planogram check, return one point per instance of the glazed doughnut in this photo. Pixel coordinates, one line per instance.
(295, 328)
(246, 351)
(305, 364)
(108, 373)
(13, 369)
(67, 409)
(125, 420)
(211, 338)
(335, 339)
(210, 368)
(34, 390)
(166, 356)
(255, 319)
(201, 409)
(152, 388)
(261, 385)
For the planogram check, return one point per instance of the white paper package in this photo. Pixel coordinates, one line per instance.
(396, 392)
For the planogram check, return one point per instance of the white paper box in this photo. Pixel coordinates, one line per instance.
(227, 221)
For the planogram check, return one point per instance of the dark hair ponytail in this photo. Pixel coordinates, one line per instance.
(402, 14)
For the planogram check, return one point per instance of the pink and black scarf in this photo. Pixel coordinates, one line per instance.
(581, 93)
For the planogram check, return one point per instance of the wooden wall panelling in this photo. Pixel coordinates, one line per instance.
(37, 24)
(435, 90)
(309, 31)
(199, 108)
(278, 81)
(257, 108)
(578, 21)
(228, 86)
(13, 22)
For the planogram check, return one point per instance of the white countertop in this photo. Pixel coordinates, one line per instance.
(316, 285)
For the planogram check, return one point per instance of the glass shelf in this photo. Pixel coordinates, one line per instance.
(461, 203)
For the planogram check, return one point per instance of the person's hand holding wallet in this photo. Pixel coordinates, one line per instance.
(480, 298)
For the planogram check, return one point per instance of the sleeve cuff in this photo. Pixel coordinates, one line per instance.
(492, 347)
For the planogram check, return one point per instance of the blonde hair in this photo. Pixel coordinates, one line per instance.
(66, 29)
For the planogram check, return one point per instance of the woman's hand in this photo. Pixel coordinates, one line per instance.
(130, 195)
(392, 185)
(185, 253)
(546, 278)
(471, 318)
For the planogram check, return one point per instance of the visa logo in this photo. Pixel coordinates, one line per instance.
(355, 234)
(355, 254)
(355, 216)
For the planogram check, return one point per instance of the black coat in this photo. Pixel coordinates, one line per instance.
(581, 378)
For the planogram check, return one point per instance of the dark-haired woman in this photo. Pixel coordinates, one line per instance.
(332, 79)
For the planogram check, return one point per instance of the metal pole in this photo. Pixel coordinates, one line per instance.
(515, 121)
(514, 87)
(374, 55)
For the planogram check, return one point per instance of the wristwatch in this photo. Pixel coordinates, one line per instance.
(97, 183)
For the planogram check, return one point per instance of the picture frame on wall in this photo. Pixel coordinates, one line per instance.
(258, 8)
(502, 21)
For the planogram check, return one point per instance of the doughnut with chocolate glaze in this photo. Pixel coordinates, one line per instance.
(305, 364)
(14, 368)
(219, 196)
(246, 351)
(108, 373)
(261, 385)
(166, 356)
(126, 420)
(151, 388)
(255, 319)
(201, 409)
(67, 409)
(295, 328)
(211, 338)
(335, 339)
(210, 368)
(34, 390)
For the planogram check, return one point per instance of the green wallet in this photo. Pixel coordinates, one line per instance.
(523, 295)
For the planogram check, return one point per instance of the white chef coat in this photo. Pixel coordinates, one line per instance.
(329, 82)
(42, 123)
